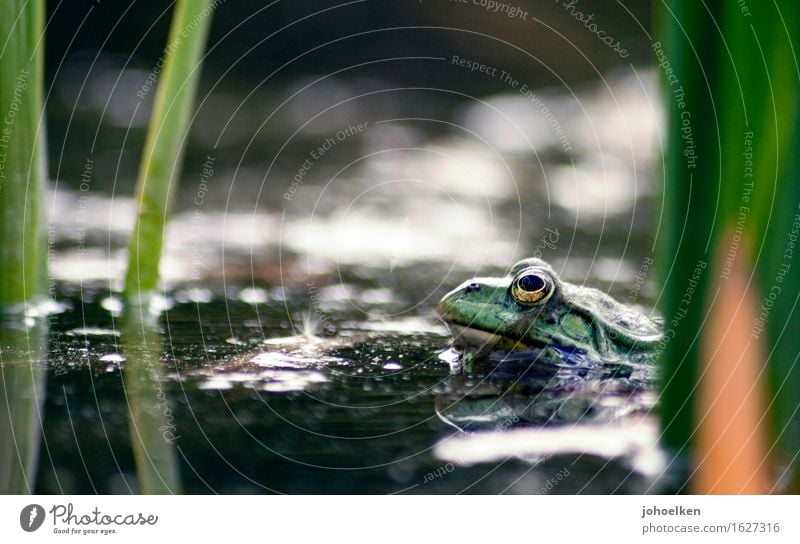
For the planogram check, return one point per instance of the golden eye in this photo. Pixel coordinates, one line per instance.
(531, 286)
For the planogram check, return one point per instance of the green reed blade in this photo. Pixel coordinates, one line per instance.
(691, 189)
(161, 162)
(22, 163)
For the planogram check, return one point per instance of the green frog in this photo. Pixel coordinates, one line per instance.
(532, 310)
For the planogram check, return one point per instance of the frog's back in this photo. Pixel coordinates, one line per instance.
(625, 326)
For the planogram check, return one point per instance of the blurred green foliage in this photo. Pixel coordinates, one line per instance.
(730, 81)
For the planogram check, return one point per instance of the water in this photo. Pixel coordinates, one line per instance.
(295, 349)
(362, 411)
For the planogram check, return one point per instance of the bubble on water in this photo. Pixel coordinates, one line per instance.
(341, 292)
(47, 307)
(197, 295)
(377, 296)
(215, 383)
(160, 303)
(453, 358)
(253, 295)
(275, 359)
(93, 331)
(285, 381)
(113, 305)
(407, 325)
(278, 293)
(112, 358)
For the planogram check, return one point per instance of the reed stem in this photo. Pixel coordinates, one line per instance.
(22, 162)
(160, 166)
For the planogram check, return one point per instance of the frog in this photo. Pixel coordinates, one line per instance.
(532, 310)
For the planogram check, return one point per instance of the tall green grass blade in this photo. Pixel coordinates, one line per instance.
(161, 161)
(22, 166)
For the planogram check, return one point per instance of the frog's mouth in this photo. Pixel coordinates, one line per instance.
(479, 342)
(469, 339)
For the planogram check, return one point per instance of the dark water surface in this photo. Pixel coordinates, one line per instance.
(364, 410)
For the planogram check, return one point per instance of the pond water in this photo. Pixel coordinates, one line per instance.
(370, 409)
(295, 348)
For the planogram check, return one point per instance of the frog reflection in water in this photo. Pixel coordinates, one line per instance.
(532, 310)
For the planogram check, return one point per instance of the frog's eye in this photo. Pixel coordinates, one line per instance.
(531, 286)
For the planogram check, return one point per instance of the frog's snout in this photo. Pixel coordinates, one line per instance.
(470, 292)
(446, 306)
(442, 307)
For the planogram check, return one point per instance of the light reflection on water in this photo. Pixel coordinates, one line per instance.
(453, 200)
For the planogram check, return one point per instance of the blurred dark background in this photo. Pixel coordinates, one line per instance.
(100, 52)
(263, 36)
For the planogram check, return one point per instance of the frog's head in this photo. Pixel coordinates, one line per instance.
(527, 308)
